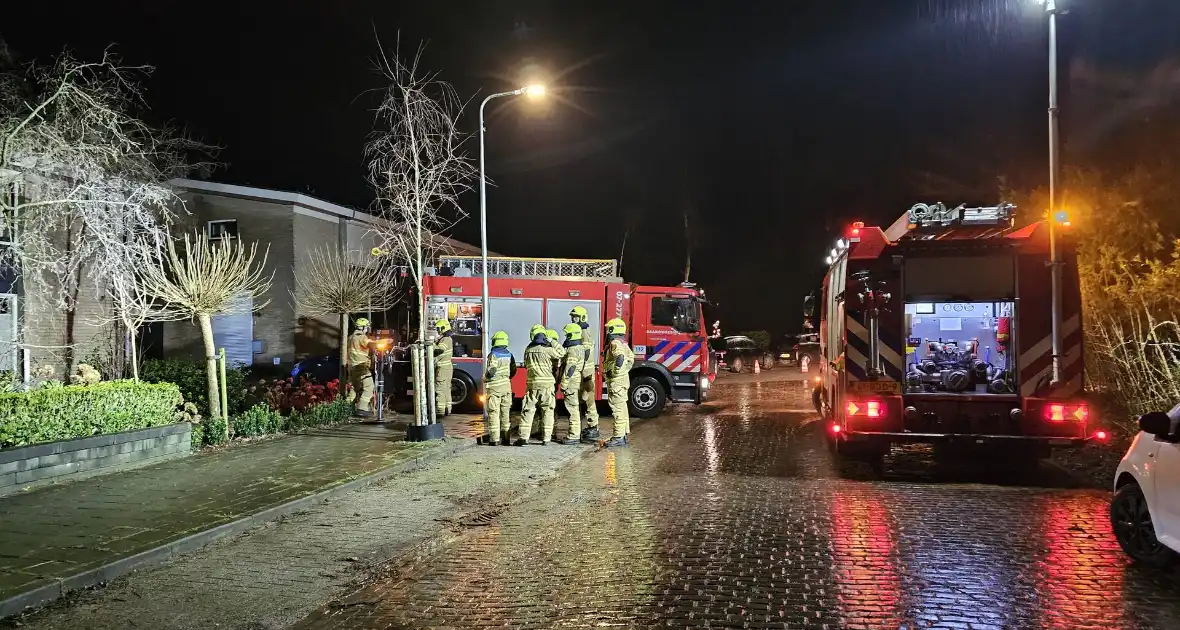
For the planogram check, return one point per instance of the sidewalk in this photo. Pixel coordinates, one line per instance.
(59, 539)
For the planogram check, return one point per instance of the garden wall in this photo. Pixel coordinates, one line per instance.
(69, 460)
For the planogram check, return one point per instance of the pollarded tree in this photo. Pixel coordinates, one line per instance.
(339, 282)
(210, 278)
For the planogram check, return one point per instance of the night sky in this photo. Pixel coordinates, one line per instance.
(772, 124)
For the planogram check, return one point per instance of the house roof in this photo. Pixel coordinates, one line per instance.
(299, 201)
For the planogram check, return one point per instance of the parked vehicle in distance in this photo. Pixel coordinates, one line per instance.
(321, 369)
(806, 350)
(741, 353)
(1145, 510)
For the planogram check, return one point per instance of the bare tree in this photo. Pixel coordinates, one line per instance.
(86, 179)
(416, 165)
(209, 279)
(132, 307)
(339, 282)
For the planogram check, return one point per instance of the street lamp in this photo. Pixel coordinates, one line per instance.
(532, 91)
(1054, 174)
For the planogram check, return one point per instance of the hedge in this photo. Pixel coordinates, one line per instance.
(77, 411)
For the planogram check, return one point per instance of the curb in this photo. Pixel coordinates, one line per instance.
(153, 557)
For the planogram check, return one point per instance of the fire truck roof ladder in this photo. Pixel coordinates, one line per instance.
(513, 267)
(937, 215)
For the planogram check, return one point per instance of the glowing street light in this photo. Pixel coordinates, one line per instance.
(532, 91)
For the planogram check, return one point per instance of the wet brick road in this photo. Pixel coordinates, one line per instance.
(733, 515)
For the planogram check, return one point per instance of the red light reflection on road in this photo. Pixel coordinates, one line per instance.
(1079, 584)
(864, 554)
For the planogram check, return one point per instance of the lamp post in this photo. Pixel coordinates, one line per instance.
(532, 91)
(1054, 175)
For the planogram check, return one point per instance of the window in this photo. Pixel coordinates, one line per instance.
(222, 229)
(683, 314)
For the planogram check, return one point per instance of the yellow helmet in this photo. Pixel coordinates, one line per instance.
(573, 331)
(500, 339)
(442, 325)
(361, 322)
(579, 314)
(537, 329)
(616, 327)
(552, 334)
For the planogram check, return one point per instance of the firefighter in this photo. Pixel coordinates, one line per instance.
(497, 388)
(360, 368)
(587, 394)
(616, 367)
(538, 360)
(571, 379)
(444, 350)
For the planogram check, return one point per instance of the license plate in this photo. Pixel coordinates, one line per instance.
(875, 387)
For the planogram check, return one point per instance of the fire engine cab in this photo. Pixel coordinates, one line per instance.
(937, 330)
(664, 324)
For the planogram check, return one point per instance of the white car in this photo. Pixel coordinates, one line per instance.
(1145, 510)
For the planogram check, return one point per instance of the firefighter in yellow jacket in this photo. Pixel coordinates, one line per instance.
(538, 360)
(588, 396)
(360, 368)
(572, 365)
(497, 389)
(444, 350)
(616, 367)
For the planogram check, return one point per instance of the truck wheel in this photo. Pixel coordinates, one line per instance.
(737, 365)
(646, 398)
(462, 391)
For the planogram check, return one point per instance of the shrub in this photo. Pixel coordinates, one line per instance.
(213, 432)
(286, 396)
(77, 411)
(189, 376)
(257, 420)
(323, 414)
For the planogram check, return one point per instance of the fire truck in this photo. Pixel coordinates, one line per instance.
(937, 329)
(664, 324)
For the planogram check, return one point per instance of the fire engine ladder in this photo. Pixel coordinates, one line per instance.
(511, 267)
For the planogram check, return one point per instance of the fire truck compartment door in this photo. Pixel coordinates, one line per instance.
(557, 315)
(515, 316)
(964, 277)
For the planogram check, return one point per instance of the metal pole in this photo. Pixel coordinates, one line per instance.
(1054, 173)
(431, 396)
(483, 235)
(379, 379)
(224, 389)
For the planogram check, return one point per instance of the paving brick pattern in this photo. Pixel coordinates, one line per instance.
(278, 573)
(734, 515)
(53, 533)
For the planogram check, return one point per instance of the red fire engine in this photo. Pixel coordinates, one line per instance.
(664, 324)
(937, 329)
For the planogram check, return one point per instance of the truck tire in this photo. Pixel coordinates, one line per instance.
(462, 391)
(646, 398)
(737, 365)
